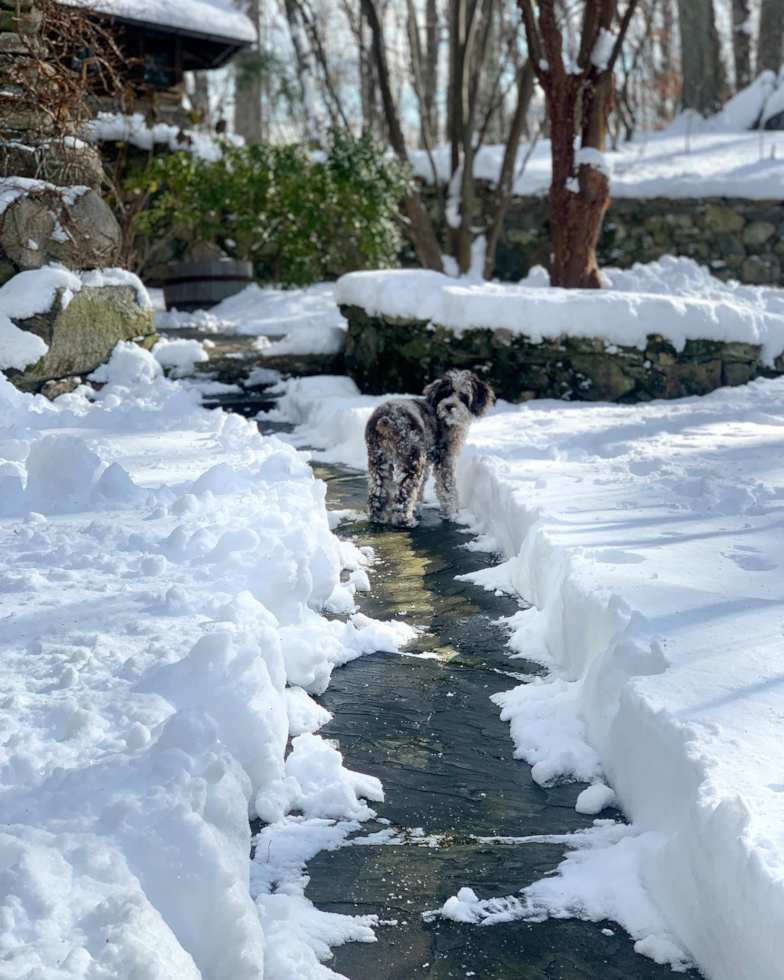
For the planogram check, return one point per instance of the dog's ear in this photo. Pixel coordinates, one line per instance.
(435, 391)
(484, 397)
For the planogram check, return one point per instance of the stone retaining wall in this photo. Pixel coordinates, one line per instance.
(386, 354)
(735, 238)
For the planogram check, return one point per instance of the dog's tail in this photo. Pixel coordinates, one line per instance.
(388, 426)
(384, 428)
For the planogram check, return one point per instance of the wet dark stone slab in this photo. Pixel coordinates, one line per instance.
(423, 723)
(427, 729)
(233, 356)
(398, 883)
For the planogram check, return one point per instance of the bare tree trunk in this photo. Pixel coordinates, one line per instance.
(580, 186)
(474, 31)
(367, 79)
(703, 72)
(663, 69)
(304, 56)
(247, 103)
(457, 40)
(420, 227)
(502, 194)
(430, 67)
(332, 101)
(741, 42)
(424, 66)
(771, 35)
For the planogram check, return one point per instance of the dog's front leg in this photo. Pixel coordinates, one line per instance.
(446, 488)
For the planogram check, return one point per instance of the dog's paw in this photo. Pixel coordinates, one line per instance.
(405, 525)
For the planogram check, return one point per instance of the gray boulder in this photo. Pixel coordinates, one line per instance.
(77, 229)
(82, 334)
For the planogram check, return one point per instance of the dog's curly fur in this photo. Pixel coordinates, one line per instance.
(406, 437)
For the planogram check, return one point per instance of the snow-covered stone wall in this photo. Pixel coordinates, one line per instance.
(664, 330)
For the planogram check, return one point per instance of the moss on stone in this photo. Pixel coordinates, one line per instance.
(405, 355)
(82, 333)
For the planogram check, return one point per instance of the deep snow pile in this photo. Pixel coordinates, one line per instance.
(750, 108)
(648, 539)
(163, 575)
(297, 321)
(674, 297)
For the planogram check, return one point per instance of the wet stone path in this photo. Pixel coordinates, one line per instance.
(423, 724)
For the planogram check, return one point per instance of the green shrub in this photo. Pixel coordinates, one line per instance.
(299, 217)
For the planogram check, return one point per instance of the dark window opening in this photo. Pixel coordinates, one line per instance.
(159, 69)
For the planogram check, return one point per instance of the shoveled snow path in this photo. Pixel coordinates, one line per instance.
(457, 808)
(648, 540)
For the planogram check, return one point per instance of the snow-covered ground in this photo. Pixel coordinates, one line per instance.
(674, 165)
(163, 578)
(648, 539)
(298, 321)
(723, 156)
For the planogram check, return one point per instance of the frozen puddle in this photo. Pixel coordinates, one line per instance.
(457, 803)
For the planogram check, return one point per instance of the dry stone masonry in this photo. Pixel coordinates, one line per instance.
(51, 210)
(735, 238)
(387, 353)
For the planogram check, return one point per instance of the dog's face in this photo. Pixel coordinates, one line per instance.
(459, 397)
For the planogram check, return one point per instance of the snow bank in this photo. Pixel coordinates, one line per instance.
(749, 108)
(690, 160)
(115, 127)
(647, 539)
(163, 576)
(214, 18)
(179, 356)
(300, 321)
(674, 297)
(330, 414)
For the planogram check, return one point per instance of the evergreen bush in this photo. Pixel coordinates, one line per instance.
(300, 216)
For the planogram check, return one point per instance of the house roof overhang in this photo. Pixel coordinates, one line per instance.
(212, 29)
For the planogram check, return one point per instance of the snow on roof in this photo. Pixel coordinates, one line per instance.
(211, 18)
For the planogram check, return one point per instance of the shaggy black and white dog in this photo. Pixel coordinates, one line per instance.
(406, 437)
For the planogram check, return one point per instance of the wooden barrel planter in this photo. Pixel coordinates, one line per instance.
(199, 285)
